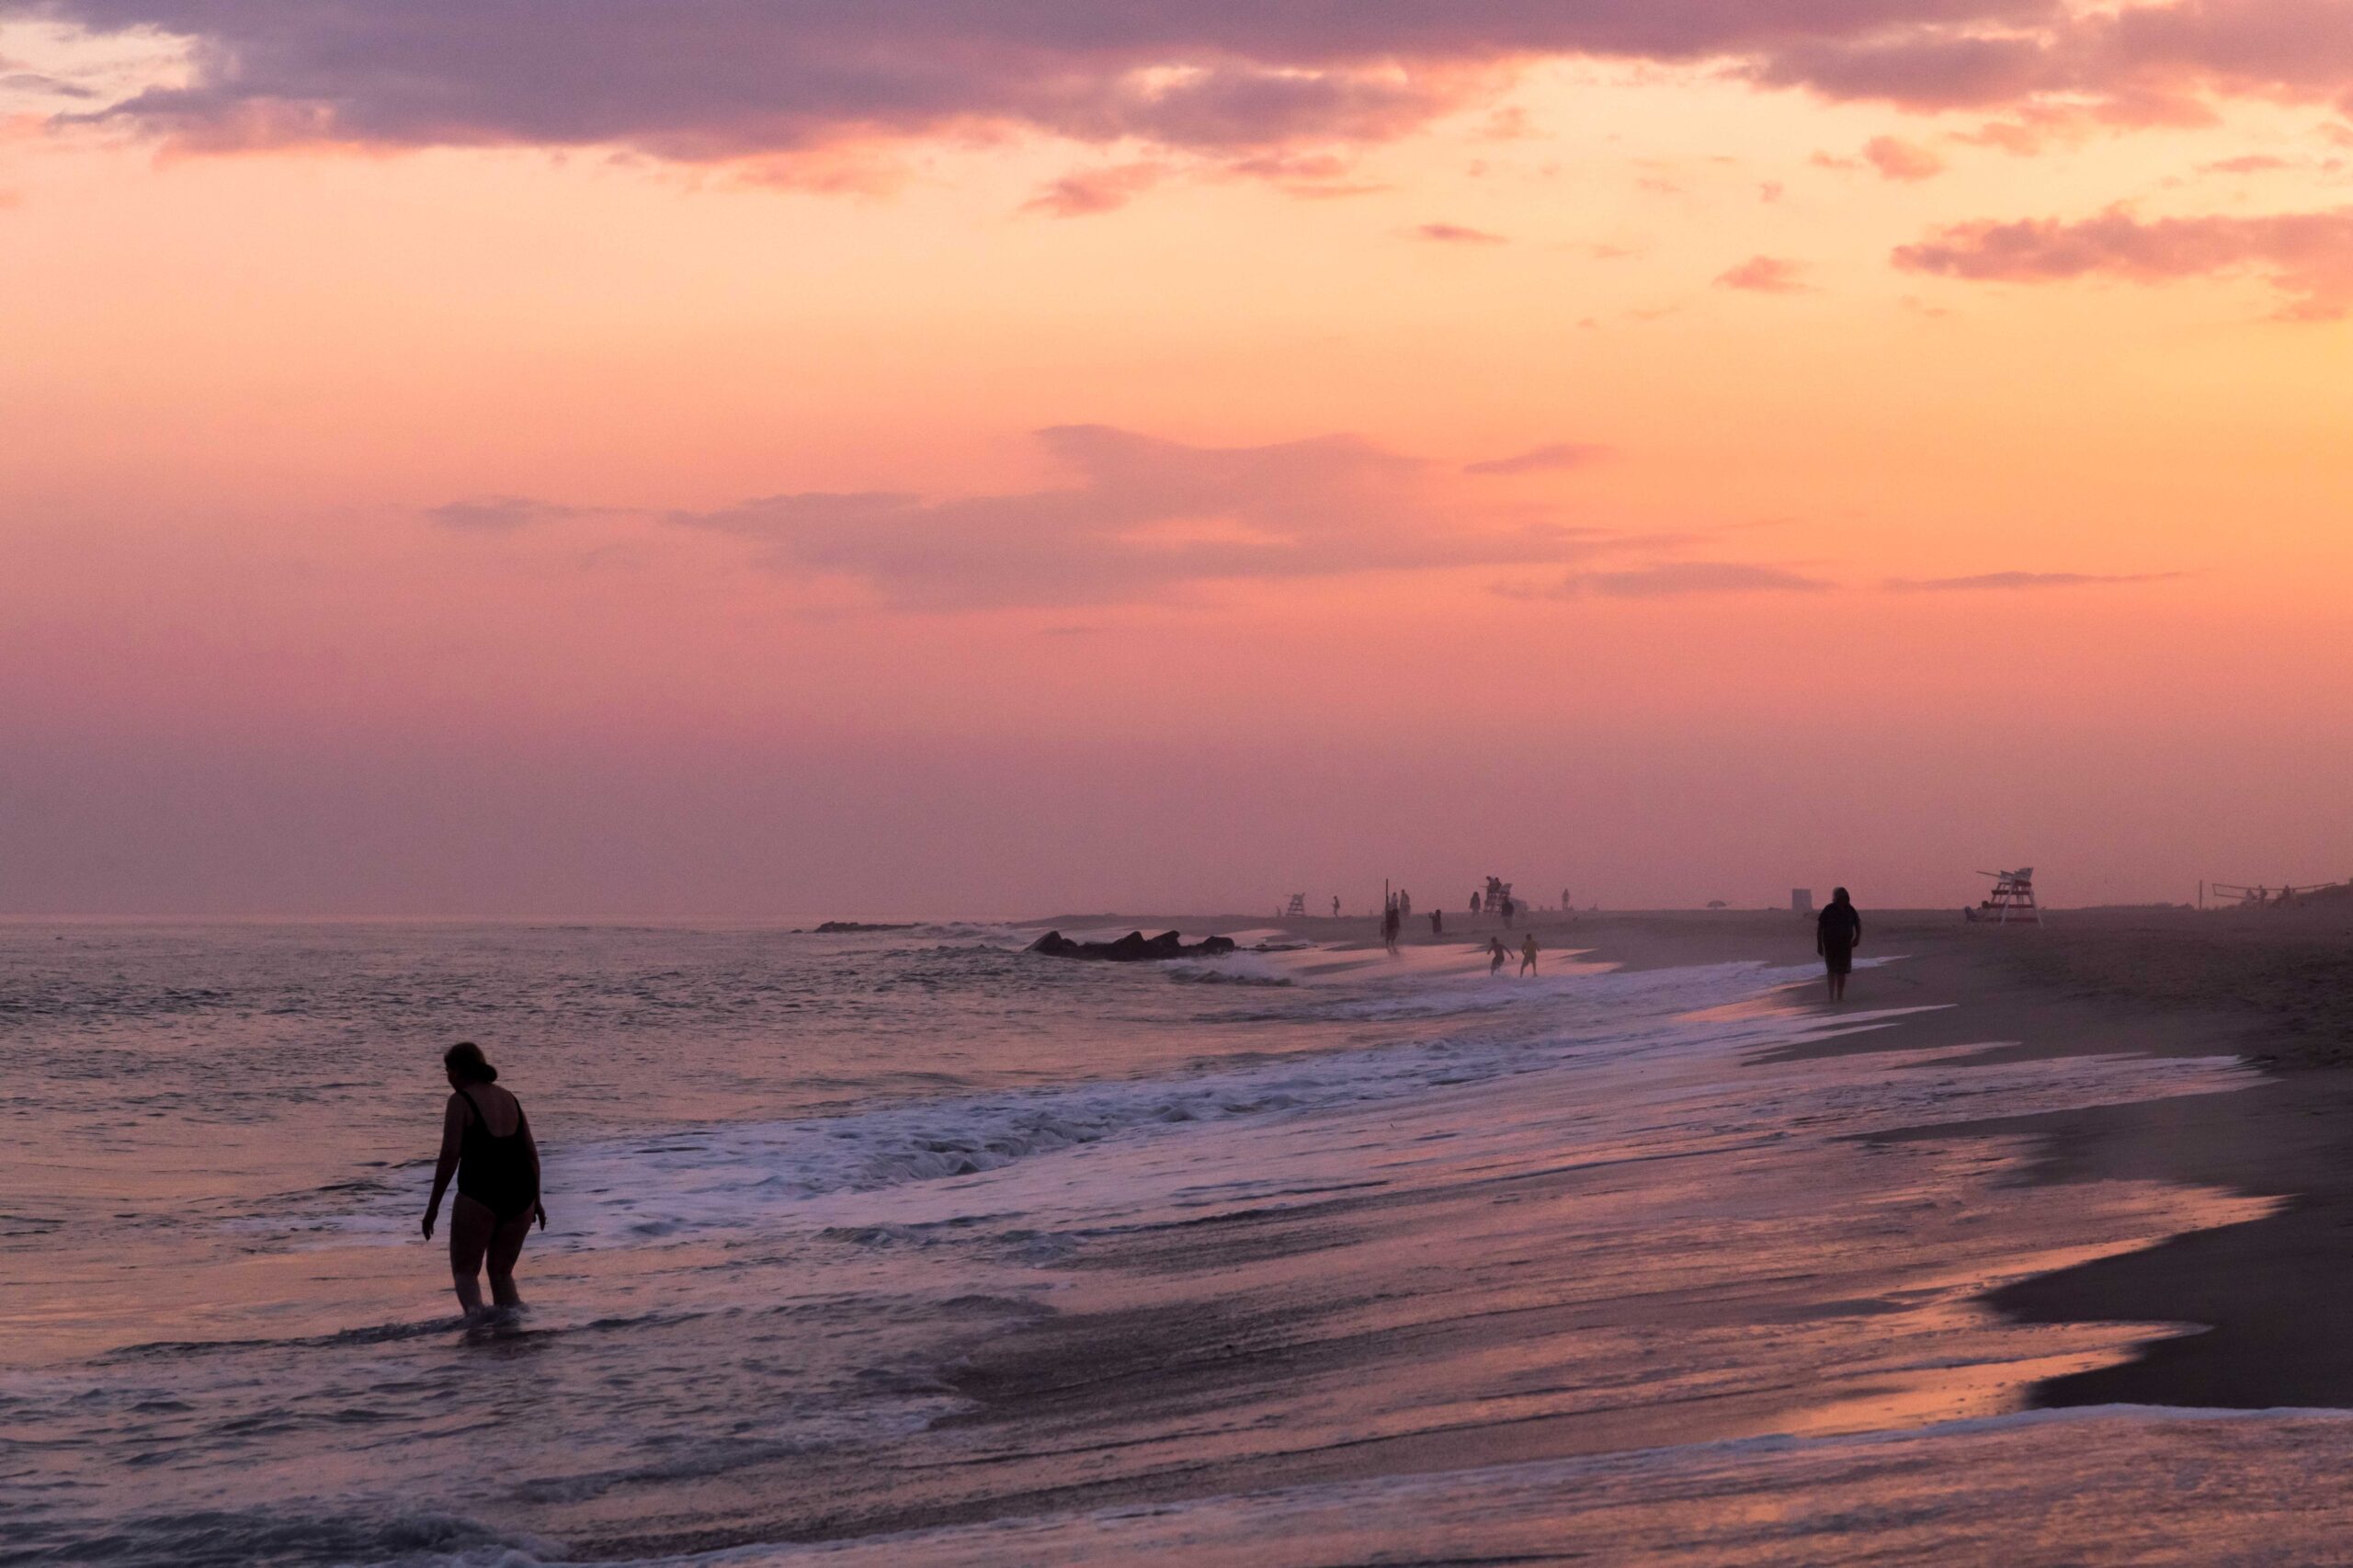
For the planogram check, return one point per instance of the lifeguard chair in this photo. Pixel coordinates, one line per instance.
(2012, 899)
(1297, 905)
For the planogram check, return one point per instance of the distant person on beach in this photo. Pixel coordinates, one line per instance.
(1837, 932)
(1495, 955)
(486, 1144)
(1437, 923)
(1527, 955)
(1509, 909)
(1389, 924)
(1336, 906)
(1474, 900)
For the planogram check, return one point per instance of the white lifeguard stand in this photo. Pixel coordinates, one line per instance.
(2012, 899)
(1297, 905)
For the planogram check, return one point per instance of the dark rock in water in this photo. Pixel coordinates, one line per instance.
(1133, 947)
(844, 928)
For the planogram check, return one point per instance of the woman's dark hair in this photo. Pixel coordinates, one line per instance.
(1837, 895)
(466, 1060)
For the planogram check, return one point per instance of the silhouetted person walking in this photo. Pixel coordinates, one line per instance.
(1527, 955)
(1437, 923)
(498, 1179)
(1495, 955)
(1837, 932)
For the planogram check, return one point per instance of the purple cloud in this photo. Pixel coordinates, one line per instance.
(503, 514)
(1677, 579)
(727, 79)
(1141, 519)
(2307, 255)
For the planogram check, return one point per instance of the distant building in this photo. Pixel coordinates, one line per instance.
(1801, 901)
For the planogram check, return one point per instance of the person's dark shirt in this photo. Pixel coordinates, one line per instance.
(1839, 927)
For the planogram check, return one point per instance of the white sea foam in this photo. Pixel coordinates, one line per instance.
(720, 1177)
(728, 1176)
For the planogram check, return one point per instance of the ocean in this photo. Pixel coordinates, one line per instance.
(908, 1246)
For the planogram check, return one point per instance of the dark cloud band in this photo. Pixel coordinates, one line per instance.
(707, 80)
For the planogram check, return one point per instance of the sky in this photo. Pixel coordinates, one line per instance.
(760, 459)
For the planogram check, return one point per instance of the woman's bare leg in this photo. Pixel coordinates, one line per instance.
(506, 1247)
(471, 1229)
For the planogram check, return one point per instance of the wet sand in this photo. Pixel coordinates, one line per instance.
(2273, 985)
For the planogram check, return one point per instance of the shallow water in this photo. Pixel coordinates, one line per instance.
(831, 1216)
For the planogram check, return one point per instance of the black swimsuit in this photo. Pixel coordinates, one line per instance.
(497, 1172)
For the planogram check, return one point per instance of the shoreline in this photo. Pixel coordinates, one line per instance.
(2261, 1296)
(2272, 986)
(1147, 1384)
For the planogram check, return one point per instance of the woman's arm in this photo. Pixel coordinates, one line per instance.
(531, 1147)
(453, 1138)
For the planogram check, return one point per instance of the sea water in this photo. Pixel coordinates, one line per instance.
(1333, 1232)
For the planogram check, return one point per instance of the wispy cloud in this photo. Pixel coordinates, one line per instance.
(2306, 255)
(2001, 581)
(1084, 192)
(1900, 160)
(505, 514)
(1456, 234)
(1141, 518)
(2245, 163)
(1538, 460)
(1679, 579)
(1764, 275)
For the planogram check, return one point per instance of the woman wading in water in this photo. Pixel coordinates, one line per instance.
(486, 1144)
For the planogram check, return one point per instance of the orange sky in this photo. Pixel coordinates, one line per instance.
(1584, 464)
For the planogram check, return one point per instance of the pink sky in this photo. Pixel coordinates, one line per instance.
(788, 459)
